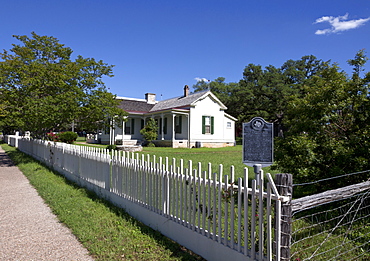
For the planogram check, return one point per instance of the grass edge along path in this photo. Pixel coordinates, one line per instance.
(108, 232)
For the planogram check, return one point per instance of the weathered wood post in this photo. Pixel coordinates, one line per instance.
(284, 185)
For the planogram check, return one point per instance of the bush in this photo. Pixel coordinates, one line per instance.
(68, 137)
(111, 147)
(53, 136)
(150, 132)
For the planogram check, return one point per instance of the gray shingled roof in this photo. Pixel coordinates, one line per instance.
(178, 102)
(130, 105)
(135, 106)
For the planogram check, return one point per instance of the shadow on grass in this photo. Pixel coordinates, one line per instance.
(177, 250)
(20, 158)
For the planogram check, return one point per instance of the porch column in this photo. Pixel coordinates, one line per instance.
(162, 127)
(173, 128)
(188, 118)
(110, 132)
(113, 132)
(123, 132)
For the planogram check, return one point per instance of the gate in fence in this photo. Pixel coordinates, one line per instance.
(208, 211)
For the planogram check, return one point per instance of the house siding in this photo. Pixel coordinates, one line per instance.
(194, 110)
(207, 107)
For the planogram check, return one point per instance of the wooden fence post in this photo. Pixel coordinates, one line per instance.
(284, 185)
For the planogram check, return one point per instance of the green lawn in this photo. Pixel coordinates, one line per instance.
(227, 156)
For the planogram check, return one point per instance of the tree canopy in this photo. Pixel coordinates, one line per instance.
(264, 92)
(43, 90)
(321, 115)
(328, 127)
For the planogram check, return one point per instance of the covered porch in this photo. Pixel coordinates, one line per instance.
(173, 130)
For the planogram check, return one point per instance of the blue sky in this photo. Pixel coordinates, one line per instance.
(159, 46)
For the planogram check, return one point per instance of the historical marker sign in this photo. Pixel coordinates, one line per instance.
(258, 142)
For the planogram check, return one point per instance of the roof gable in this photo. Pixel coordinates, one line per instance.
(186, 101)
(213, 97)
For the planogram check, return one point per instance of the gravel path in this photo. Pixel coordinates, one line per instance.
(28, 228)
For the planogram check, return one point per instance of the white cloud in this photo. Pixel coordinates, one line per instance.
(201, 79)
(339, 24)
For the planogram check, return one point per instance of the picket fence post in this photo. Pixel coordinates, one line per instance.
(284, 185)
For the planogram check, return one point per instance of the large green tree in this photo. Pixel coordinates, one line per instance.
(328, 127)
(43, 89)
(265, 92)
(321, 115)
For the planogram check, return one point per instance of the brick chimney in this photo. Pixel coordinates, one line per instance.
(186, 91)
(150, 98)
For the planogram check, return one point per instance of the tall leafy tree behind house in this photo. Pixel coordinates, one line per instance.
(265, 92)
(328, 127)
(321, 115)
(43, 89)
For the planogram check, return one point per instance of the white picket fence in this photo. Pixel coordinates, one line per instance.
(209, 213)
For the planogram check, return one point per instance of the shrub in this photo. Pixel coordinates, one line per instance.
(53, 136)
(150, 144)
(111, 147)
(68, 137)
(150, 132)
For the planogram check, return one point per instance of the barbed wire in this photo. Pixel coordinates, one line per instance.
(335, 177)
(319, 232)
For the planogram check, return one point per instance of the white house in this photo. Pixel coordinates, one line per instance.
(191, 120)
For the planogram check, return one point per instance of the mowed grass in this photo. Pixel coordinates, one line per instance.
(227, 156)
(108, 232)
